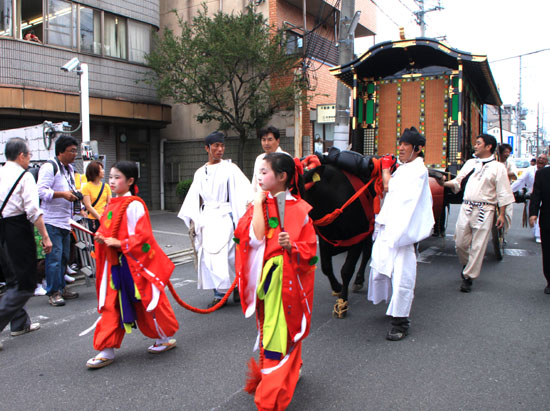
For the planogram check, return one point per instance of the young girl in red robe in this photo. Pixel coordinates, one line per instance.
(132, 271)
(275, 265)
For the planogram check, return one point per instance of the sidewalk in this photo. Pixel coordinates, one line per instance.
(172, 235)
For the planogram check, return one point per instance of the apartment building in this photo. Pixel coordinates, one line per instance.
(299, 128)
(37, 37)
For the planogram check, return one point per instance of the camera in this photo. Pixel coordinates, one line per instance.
(77, 204)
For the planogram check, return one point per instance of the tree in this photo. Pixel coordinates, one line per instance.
(233, 66)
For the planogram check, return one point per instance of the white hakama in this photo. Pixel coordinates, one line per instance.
(215, 202)
(406, 218)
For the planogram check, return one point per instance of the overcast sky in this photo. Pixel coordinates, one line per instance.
(496, 28)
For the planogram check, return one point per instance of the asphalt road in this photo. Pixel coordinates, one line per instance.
(480, 351)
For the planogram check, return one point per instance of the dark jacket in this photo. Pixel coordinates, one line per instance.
(540, 198)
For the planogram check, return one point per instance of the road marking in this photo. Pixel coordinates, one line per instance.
(170, 232)
(516, 252)
(183, 283)
(425, 255)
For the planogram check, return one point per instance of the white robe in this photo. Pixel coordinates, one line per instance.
(215, 202)
(406, 218)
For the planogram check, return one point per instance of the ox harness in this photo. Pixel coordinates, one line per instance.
(366, 201)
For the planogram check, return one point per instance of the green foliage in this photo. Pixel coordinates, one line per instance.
(226, 65)
(183, 187)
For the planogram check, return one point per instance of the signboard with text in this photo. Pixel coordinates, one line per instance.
(326, 113)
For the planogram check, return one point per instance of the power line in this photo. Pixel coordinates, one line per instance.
(520, 55)
(386, 14)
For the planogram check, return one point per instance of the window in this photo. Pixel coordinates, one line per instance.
(293, 43)
(5, 18)
(61, 23)
(31, 20)
(114, 39)
(90, 30)
(74, 26)
(139, 41)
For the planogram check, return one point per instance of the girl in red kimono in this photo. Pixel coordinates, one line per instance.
(132, 271)
(275, 268)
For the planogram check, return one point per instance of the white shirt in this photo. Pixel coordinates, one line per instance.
(488, 183)
(526, 179)
(24, 199)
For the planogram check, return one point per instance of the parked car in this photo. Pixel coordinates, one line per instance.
(522, 164)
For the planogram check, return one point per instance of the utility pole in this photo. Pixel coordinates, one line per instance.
(519, 108)
(518, 112)
(345, 51)
(421, 13)
(538, 131)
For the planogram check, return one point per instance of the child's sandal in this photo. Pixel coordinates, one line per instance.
(98, 362)
(163, 347)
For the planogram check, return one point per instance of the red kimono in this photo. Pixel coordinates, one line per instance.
(280, 369)
(147, 271)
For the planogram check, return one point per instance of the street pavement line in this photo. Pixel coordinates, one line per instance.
(170, 232)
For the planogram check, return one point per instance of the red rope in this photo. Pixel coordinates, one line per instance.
(114, 233)
(201, 310)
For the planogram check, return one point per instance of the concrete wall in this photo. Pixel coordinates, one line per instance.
(28, 64)
(146, 11)
(183, 158)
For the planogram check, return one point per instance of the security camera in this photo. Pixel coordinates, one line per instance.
(71, 65)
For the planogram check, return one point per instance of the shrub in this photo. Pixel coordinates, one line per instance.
(183, 187)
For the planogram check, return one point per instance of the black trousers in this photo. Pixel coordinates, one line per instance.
(17, 237)
(545, 245)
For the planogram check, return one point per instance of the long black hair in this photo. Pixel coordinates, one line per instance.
(130, 170)
(282, 162)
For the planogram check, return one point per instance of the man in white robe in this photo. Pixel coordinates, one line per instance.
(214, 204)
(405, 219)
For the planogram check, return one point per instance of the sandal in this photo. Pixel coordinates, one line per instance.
(157, 348)
(98, 362)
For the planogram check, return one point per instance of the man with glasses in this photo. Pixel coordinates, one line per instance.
(56, 188)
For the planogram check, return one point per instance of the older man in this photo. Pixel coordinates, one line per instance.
(405, 219)
(487, 187)
(526, 181)
(19, 208)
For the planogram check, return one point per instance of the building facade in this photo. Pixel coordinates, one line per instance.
(37, 37)
(298, 128)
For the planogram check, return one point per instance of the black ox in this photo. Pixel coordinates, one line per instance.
(328, 188)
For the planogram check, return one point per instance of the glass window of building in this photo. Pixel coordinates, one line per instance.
(90, 30)
(114, 37)
(31, 23)
(61, 23)
(139, 41)
(5, 17)
(293, 43)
